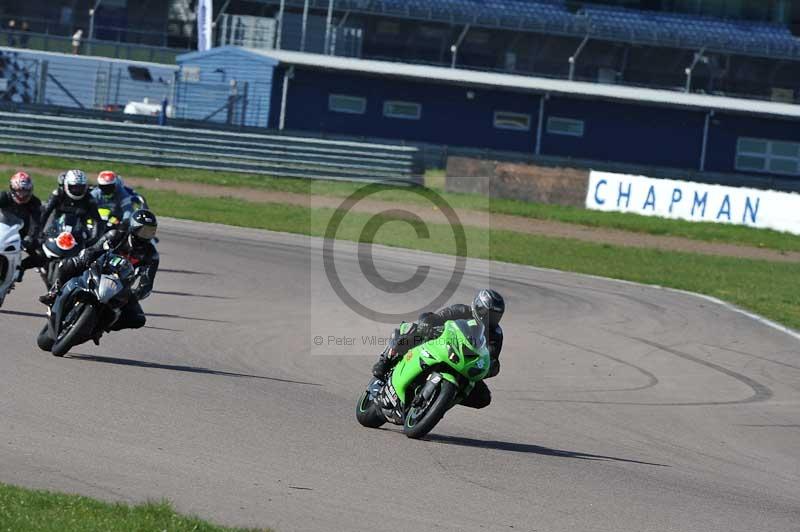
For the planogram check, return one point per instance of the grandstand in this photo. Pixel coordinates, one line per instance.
(538, 37)
(600, 22)
(652, 43)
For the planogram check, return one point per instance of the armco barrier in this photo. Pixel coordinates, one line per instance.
(275, 155)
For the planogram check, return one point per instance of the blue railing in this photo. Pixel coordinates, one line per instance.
(603, 22)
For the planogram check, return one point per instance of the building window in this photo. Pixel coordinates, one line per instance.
(190, 74)
(565, 126)
(340, 103)
(516, 121)
(772, 156)
(388, 27)
(405, 110)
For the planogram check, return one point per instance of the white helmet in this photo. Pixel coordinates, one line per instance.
(75, 184)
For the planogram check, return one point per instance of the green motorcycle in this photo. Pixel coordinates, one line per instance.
(429, 380)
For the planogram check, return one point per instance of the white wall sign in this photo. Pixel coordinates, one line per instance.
(695, 202)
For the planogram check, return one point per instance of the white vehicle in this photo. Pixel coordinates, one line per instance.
(10, 252)
(148, 108)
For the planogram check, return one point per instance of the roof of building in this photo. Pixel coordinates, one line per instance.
(62, 55)
(529, 83)
(248, 53)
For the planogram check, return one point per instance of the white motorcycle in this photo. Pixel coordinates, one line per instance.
(10, 252)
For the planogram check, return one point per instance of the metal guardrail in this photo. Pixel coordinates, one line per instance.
(274, 155)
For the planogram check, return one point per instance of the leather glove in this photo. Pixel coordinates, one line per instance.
(29, 243)
(424, 330)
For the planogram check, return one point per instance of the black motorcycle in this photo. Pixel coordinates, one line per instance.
(64, 237)
(88, 305)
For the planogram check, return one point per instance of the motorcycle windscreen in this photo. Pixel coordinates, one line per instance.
(474, 351)
(6, 218)
(108, 288)
(474, 332)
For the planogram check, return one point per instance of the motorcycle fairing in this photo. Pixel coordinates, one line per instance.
(459, 355)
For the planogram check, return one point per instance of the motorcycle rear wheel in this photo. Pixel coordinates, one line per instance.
(421, 420)
(368, 413)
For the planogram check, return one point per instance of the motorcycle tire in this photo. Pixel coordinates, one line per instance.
(85, 322)
(421, 420)
(44, 341)
(368, 413)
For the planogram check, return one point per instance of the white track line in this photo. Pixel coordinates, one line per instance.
(729, 306)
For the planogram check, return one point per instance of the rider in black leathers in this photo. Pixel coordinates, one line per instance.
(72, 196)
(488, 307)
(133, 242)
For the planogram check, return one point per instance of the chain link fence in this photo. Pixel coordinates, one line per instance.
(99, 84)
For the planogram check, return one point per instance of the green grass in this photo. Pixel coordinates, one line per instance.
(709, 232)
(767, 288)
(23, 510)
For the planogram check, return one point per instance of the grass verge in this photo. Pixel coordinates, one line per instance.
(767, 288)
(708, 232)
(23, 510)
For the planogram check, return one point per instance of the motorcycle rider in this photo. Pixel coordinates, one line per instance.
(133, 241)
(112, 194)
(71, 197)
(20, 201)
(487, 308)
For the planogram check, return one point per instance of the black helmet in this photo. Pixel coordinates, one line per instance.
(143, 225)
(488, 307)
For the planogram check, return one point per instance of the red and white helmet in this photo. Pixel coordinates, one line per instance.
(21, 188)
(75, 184)
(107, 181)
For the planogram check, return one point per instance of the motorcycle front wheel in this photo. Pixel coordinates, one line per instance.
(44, 341)
(74, 331)
(421, 419)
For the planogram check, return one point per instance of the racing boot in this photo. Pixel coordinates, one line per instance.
(384, 363)
(50, 297)
(399, 344)
(97, 335)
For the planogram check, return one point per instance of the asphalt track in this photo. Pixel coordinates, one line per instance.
(619, 407)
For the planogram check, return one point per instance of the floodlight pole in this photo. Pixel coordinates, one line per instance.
(281, 11)
(574, 57)
(91, 25)
(305, 25)
(454, 47)
(690, 69)
(328, 27)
